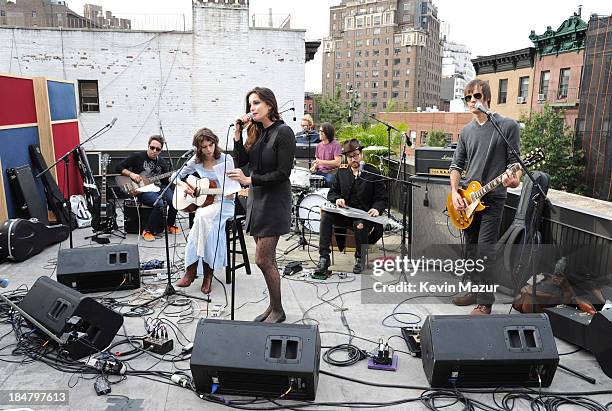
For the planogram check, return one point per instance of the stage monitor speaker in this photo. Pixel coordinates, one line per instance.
(599, 340)
(86, 325)
(257, 359)
(488, 351)
(96, 269)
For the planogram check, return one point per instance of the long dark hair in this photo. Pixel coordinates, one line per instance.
(329, 131)
(202, 135)
(255, 129)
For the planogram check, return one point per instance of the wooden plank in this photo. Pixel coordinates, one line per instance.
(43, 114)
(3, 208)
(15, 76)
(18, 126)
(72, 120)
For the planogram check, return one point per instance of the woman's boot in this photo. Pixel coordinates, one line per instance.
(190, 275)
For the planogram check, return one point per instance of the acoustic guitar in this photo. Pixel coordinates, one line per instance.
(204, 195)
(474, 193)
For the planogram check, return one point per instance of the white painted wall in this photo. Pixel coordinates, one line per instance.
(182, 80)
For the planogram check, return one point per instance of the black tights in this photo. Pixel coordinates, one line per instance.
(265, 258)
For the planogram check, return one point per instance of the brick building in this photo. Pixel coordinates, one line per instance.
(176, 81)
(39, 13)
(384, 49)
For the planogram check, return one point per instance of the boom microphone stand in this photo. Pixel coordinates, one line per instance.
(66, 159)
(169, 287)
(540, 195)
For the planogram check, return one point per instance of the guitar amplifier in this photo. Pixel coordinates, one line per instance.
(433, 161)
(135, 216)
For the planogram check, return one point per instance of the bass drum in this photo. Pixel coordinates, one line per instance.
(309, 209)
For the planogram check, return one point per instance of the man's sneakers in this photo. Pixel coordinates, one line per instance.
(172, 229)
(463, 300)
(359, 265)
(148, 236)
(482, 309)
(323, 267)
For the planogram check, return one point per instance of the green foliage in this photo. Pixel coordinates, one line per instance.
(333, 109)
(436, 138)
(565, 162)
(373, 135)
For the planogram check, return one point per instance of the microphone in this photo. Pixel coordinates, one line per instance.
(240, 121)
(361, 164)
(4, 283)
(478, 106)
(408, 140)
(113, 121)
(189, 153)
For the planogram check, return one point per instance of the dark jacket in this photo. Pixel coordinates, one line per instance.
(139, 162)
(270, 162)
(371, 192)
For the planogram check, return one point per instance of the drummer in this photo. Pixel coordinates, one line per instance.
(327, 155)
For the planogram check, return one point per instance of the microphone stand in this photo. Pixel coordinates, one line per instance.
(66, 159)
(540, 195)
(389, 128)
(170, 290)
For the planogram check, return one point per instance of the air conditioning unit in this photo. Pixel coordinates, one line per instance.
(541, 97)
(521, 100)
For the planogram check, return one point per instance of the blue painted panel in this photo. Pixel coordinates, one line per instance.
(62, 100)
(14, 152)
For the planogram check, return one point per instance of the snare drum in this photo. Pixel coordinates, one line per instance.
(317, 182)
(300, 178)
(309, 209)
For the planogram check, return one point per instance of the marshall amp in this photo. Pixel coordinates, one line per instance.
(433, 161)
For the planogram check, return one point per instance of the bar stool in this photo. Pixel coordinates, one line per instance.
(234, 232)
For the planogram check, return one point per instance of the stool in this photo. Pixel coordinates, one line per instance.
(349, 241)
(135, 216)
(233, 232)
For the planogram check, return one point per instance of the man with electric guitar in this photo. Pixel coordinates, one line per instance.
(482, 154)
(142, 168)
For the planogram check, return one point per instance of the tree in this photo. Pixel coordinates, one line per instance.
(332, 109)
(436, 138)
(565, 161)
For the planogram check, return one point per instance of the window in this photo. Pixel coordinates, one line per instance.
(543, 91)
(396, 62)
(564, 76)
(33, 13)
(503, 91)
(2, 13)
(88, 96)
(523, 88)
(423, 138)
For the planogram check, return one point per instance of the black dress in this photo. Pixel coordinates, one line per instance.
(270, 162)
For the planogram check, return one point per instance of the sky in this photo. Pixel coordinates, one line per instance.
(485, 27)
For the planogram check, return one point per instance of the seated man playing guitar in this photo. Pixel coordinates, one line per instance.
(484, 152)
(149, 164)
(359, 190)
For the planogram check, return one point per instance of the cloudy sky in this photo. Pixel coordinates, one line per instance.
(485, 27)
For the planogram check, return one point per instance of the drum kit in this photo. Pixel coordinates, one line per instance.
(309, 193)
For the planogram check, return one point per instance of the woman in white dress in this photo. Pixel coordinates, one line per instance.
(206, 239)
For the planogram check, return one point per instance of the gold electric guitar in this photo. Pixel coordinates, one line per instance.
(474, 193)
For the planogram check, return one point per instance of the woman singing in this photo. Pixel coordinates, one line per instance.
(206, 239)
(269, 151)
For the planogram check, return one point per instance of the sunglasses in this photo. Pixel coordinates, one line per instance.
(153, 148)
(477, 96)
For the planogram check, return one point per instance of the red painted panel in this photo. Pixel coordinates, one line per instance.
(17, 104)
(65, 137)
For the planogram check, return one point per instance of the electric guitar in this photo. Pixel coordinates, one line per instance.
(474, 193)
(104, 217)
(129, 186)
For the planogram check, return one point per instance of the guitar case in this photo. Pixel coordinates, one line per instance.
(21, 239)
(28, 203)
(513, 246)
(92, 194)
(55, 198)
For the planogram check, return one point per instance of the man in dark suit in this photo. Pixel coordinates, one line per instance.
(353, 188)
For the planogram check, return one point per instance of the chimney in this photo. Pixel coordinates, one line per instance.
(580, 10)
